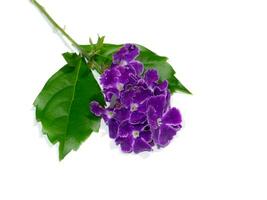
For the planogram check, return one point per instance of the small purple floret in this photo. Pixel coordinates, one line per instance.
(139, 115)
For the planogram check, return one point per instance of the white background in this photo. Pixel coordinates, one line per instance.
(219, 50)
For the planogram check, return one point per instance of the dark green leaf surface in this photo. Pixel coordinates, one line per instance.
(62, 106)
(147, 57)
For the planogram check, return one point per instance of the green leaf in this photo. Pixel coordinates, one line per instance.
(62, 106)
(147, 57)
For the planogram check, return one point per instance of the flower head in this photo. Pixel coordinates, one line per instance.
(139, 115)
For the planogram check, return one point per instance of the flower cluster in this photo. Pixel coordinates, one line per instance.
(139, 115)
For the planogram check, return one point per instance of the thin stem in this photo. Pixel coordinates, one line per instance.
(52, 21)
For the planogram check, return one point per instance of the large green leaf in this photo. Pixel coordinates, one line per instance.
(147, 57)
(62, 106)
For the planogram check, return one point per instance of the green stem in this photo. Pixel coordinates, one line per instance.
(52, 21)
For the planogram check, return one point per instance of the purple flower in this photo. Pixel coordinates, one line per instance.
(134, 137)
(165, 125)
(139, 115)
(126, 54)
(124, 70)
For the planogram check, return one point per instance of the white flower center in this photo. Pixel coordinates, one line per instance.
(123, 63)
(120, 86)
(110, 114)
(134, 107)
(135, 134)
(159, 121)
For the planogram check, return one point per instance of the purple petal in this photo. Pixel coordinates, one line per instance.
(133, 79)
(121, 114)
(158, 103)
(151, 143)
(109, 77)
(113, 65)
(151, 76)
(139, 127)
(163, 85)
(126, 143)
(177, 127)
(125, 74)
(109, 92)
(125, 129)
(155, 135)
(96, 108)
(152, 117)
(127, 97)
(137, 117)
(107, 115)
(158, 91)
(113, 128)
(146, 135)
(172, 117)
(142, 82)
(138, 67)
(141, 94)
(168, 99)
(142, 107)
(166, 134)
(126, 54)
(141, 145)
